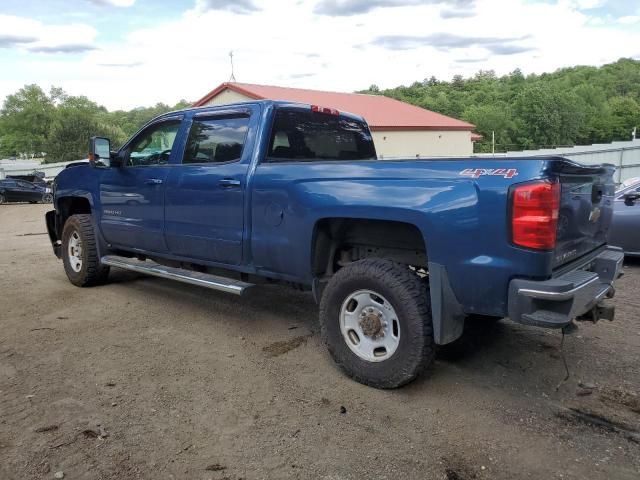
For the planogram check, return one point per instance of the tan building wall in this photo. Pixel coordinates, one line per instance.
(228, 96)
(423, 143)
(395, 143)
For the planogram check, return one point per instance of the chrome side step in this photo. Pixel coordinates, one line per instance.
(206, 280)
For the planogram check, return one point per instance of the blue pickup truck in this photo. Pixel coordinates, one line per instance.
(396, 252)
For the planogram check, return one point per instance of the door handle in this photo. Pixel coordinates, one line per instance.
(229, 182)
(153, 181)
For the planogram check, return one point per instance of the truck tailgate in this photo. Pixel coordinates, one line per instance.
(586, 207)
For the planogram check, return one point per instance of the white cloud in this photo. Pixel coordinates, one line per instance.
(114, 3)
(629, 19)
(288, 44)
(35, 36)
(235, 6)
(587, 4)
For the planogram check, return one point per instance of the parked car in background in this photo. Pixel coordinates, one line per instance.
(628, 182)
(35, 179)
(12, 190)
(625, 224)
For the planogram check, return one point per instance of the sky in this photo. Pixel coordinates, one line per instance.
(128, 53)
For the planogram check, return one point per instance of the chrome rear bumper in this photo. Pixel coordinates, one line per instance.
(554, 303)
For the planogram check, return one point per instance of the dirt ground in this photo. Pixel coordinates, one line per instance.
(146, 378)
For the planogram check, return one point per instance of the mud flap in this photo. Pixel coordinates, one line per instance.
(50, 220)
(447, 313)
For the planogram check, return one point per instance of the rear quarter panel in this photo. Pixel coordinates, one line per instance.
(463, 220)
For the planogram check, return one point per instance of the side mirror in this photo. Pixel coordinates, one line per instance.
(100, 152)
(630, 198)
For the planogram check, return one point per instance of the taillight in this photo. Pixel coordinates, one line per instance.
(534, 214)
(319, 109)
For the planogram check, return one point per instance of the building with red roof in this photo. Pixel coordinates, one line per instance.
(398, 128)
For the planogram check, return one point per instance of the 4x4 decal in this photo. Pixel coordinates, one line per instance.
(500, 172)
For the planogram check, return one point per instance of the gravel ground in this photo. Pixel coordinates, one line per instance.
(145, 378)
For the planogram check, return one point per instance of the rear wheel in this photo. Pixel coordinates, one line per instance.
(2, 199)
(375, 317)
(80, 253)
(47, 198)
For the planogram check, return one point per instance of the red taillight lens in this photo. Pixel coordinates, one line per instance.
(329, 111)
(534, 214)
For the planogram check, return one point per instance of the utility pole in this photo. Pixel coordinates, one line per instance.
(233, 77)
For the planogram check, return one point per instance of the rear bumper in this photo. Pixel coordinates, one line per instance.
(554, 303)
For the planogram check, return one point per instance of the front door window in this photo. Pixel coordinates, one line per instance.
(153, 146)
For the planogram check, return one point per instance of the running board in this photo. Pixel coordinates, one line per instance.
(206, 280)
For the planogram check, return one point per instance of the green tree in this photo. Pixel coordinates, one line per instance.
(492, 118)
(24, 122)
(625, 116)
(68, 137)
(577, 105)
(547, 116)
(59, 125)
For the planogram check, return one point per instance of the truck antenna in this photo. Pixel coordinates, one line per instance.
(233, 77)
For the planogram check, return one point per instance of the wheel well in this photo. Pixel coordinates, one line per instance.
(338, 241)
(68, 206)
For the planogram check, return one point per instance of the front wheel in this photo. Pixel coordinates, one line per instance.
(80, 253)
(375, 317)
(47, 198)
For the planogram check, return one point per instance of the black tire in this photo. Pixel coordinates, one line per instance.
(91, 271)
(2, 199)
(47, 198)
(408, 294)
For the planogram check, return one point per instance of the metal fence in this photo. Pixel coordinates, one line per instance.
(624, 155)
(11, 167)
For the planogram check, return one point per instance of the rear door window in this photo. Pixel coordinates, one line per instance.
(216, 139)
(307, 136)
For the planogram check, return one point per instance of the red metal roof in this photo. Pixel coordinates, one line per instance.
(382, 113)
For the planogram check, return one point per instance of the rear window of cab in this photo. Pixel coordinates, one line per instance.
(307, 136)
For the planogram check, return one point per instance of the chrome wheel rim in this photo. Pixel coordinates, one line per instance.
(48, 198)
(74, 251)
(369, 326)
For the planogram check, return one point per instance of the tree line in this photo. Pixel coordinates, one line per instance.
(56, 125)
(571, 106)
